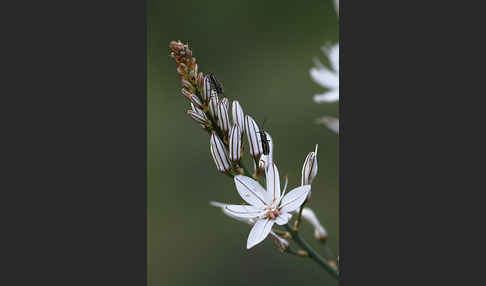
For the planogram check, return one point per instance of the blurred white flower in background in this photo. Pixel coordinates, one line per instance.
(328, 78)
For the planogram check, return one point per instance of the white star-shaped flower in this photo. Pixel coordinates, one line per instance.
(328, 78)
(266, 207)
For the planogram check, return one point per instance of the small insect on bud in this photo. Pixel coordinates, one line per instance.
(213, 105)
(320, 232)
(281, 243)
(223, 119)
(237, 114)
(251, 129)
(309, 170)
(192, 76)
(220, 156)
(235, 143)
(216, 84)
(206, 88)
(198, 117)
(267, 146)
(264, 141)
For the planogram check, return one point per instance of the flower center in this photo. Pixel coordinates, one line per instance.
(272, 214)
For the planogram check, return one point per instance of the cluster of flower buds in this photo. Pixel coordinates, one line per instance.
(211, 110)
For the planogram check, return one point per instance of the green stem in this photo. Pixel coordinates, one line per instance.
(312, 253)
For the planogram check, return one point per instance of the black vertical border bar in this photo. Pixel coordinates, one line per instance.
(75, 108)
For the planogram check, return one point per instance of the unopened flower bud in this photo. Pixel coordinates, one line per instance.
(223, 119)
(281, 243)
(200, 82)
(183, 66)
(206, 88)
(198, 117)
(195, 100)
(180, 71)
(187, 85)
(251, 129)
(309, 170)
(220, 156)
(213, 106)
(187, 94)
(237, 114)
(320, 232)
(225, 101)
(235, 143)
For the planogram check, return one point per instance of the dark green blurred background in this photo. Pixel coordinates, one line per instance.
(262, 52)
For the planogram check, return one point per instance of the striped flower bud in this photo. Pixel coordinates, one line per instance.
(213, 106)
(235, 143)
(251, 129)
(220, 156)
(309, 170)
(186, 93)
(198, 117)
(225, 101)
(223, 119)
(200, 81)
(187, 85)
(195, 100)
(237, 114)
(206, 89)
(320, 232)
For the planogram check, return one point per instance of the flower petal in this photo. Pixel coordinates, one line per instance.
(283, 218)
(242, 211)
(294, 199)
(330, 96)
(250, 190)
(273, 184)
(259, 232)
(325, 77)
